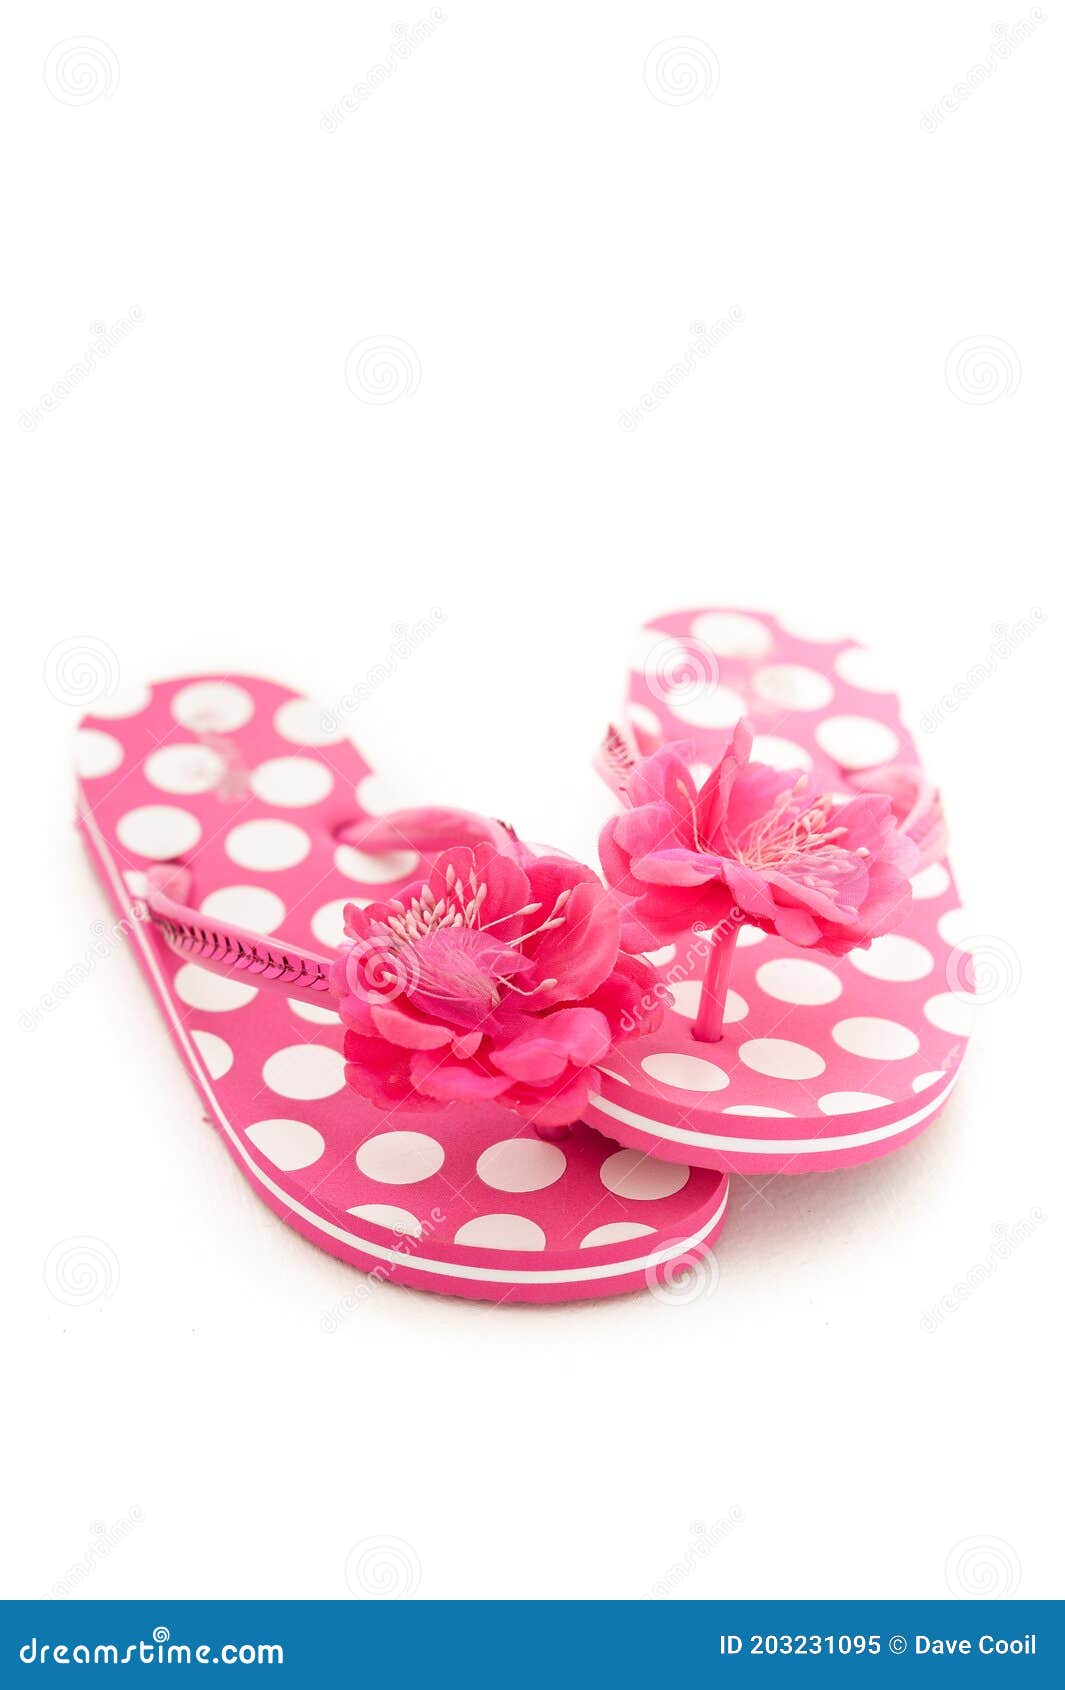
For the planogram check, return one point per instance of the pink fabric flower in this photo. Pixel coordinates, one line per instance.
(499, 978)
(823, 873)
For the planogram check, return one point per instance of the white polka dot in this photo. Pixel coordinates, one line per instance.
(690, 1073)
(710, 706)
(303, 722)
(930, 882)
(658, 959)
(923, 1081)
(124, 701)
(615, 1232)
(305, 1071)
(779, 753)
(502, 1232)
(647, 641)
(212, 707)
(388, 1215)
(313, 1012)
(184, 768)
(793, 687)
(951, 1012)
(749, 936)
(630, 1173)
(267, 844)
(327, 923)
(646, 720)
(620, 1078)
(399, 1158)
(287, 1144)
(955, 927)
(731, 634)
(96, 753)
(254, 907)
(872, 1036)
(892, 957)
(863, 669)
(291, 782)
(686, 995)
(375, 796)
(803, 626)
(856, 742)
(849, 1102)
(158, 830)
(796, 980)
(217, 1056)
(373, 867)
(782, 1059)
(137, 881)
(755, 1109)
(201, 989)
(521, 1164)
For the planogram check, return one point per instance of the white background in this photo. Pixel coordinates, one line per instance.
(524, 207)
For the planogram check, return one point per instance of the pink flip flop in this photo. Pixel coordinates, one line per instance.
(821, 1060)
(231, 826)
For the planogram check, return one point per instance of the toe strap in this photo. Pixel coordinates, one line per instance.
(224, 948)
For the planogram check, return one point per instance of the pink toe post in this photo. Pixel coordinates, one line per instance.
(324, 977)
(710, 1015)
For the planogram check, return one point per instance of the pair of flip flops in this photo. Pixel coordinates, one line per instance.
(437, 1054)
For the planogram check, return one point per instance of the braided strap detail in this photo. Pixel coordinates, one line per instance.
(266, 962)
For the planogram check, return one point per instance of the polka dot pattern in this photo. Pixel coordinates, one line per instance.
(255, 907)
(158, 830)
(96, 753)
(391, 1216)
(782, 1059)
(267, 844)
(894, 957)
(791, 687)
(821, 1036)
(629, 1173)
(708, 707)
(294, 782)
(857, 742)
(184, 768)
(521, 1164)
(684, 1070)
(795, 979)
(400, 1158)
(201, 989)
(304, 1071)
(258, 821)
(502, 1232)
(217, 1055)
(780, 753)
(875, 1037)
(303, 722)
(372, 867)
(213, 707)
(732, 634)
(287, 1144)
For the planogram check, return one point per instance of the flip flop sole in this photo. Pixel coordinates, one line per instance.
(246, 784)
(825, 1062)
